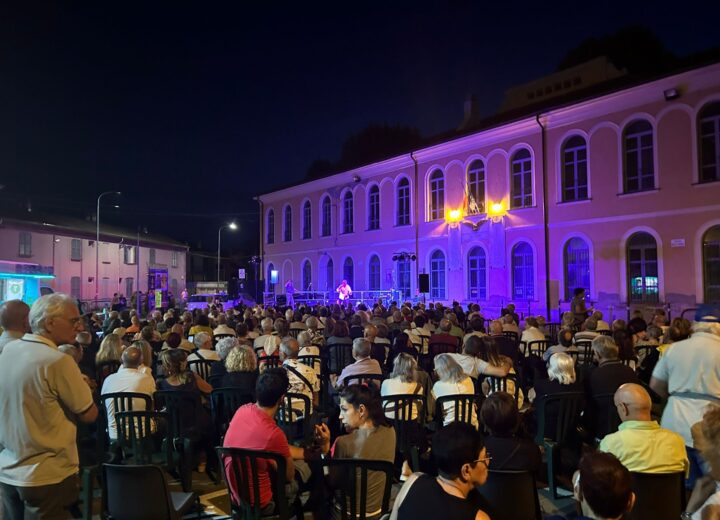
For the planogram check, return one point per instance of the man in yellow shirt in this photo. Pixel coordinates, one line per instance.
(640, 443)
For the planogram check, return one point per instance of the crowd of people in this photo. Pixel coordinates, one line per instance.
(55, 364)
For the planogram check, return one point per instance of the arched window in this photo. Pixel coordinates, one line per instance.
(348, 212)
(477, 274)
(574, 174)
(476, 187)
(306, 275)
(521, 179)
(642, 268)
(577, 266)
(307, 220)
(374, 208)
(709, 139)
(271, 227)
(638, 152)
(523, 279)
(437, 195)
(326, 217)
(403, 203)
(269, 278)
(374, 273)
(403, 271)
(437, 275)
(711, 264)
(329, 276)
(349, 271)
(288, 224)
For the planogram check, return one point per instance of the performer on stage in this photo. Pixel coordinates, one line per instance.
(344, 291)
(290, 292)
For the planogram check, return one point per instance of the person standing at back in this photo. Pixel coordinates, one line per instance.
(43, 396)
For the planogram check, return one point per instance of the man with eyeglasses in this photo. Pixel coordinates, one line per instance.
(43, 396)
(462, 462)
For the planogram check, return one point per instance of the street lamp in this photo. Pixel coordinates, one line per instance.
(97, 243)
(232, 226)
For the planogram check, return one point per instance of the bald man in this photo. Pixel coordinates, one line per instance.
(14, 321)
(640, 443)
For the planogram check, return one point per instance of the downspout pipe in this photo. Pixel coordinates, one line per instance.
(260, 272)
(417, 218)
(546, 228)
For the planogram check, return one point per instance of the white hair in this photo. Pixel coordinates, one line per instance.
(46, 307)
(225, 345)
(200, 339)
(561, 368)
(712, 327)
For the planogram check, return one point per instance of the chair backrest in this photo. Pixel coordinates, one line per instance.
(364, 379)
(243, 485)
(104, 369)
(569, 406)
(658, 495)
(136, 492)
(292, 408)
(436, 348)
(183, 409)
(339, 355)
(463, 406)
(538, 347)
(511, 495)
(135, 438)
(122, 402)
(399, 409)
(605, 332)
(351, 490)
(314, 362)
(500, 384)
(294, 333)
(512, 335)
(224, 403)
(201, 367)
(265, 362)
(608, 419)
(585, 353)
(378, 352)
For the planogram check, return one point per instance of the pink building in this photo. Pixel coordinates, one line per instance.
(59, 253)
(616, 192)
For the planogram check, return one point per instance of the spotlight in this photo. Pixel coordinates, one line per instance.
(413, 257)
(671, 93)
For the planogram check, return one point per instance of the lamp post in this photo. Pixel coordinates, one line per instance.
(232, 226)
(97, 243)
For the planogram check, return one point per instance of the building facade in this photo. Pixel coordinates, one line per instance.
(60, 254)
(618, 194)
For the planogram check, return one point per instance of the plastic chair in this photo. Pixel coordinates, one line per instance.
(537, 347)
(135, 438)
(350, 478)
(499, 384)
(224, 404)
(512, 335)
(141, 493)
(293, 416)
(364, 379)
(243, 485)
(122, 402)
(426, 361)
(511, 495)
(201, 367)
(659, 496)
(402, 406)
(314, 362)
(464, 407)
(585, 353)
(265, 362)
(569, 406)
(339, 355)
(607, 420)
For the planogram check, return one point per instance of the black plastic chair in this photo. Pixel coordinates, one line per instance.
(201, 367)
(426, 361)
(349, 482)
(339, 355)
(314, 362)
(608, 419)
(659, 496)
(122, 402)
(511, 495)
(512, 335)
(568, 406)
(242, 471)
(585, 353)
(141, 493)
(295, 332)
(399, 410)
(224, 404)
(364, 379)
(499, 384)
(537, 347)
(464, 407)
(293, 416)
(135, 439)
(265, 362)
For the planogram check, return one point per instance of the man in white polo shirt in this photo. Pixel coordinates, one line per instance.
(43, 396)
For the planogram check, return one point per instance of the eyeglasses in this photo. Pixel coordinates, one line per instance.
(485, 461)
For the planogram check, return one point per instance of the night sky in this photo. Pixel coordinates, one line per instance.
(191, 110)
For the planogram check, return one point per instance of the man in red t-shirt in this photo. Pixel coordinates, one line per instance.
(253, 427)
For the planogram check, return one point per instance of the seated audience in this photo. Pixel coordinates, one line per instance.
(640, 443)
(452, 380)
(499, 363)
(241, 370)
(462, 462)
(222, 328)
(340, 334)
(178, 376)
(531, 332)
(201, 324)
(565, 344)
(500, 416)
(560, 379)
(704, 502)
(364, 364)
(203, 344)
(303, 379)
(471, 362)
(110, 349)
(442, 335)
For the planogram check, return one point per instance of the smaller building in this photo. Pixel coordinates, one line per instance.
(40, 253)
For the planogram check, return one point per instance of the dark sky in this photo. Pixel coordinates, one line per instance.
(192, 109)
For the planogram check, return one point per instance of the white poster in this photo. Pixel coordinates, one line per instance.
(14, 289)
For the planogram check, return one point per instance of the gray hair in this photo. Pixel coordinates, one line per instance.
(132, 357)
(46, 307)
(266, 324)
(200, 339)
(605, 347)
(290, 347)
(225, 345)
(448, 370)
(697, 326)
(304, 338)
(361, 347)
(405, 368)
(561, 368)
(145, 350)
(312, 322)
(70, 350)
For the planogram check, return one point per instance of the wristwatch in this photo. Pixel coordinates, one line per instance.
(685, 515)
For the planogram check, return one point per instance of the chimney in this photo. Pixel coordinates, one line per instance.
(471, 113)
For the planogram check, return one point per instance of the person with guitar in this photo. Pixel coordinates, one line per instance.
(344, 292)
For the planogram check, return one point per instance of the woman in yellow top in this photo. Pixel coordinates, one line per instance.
(202, 324)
